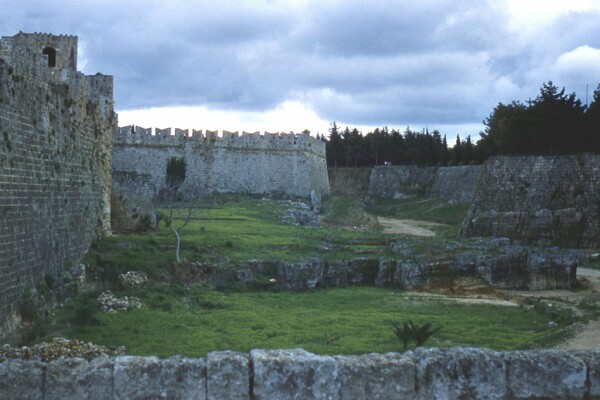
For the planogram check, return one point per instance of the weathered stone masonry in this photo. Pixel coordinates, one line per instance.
(454, 184)
(55, 160)
(455, 373)
(277, 164)
(547, 200)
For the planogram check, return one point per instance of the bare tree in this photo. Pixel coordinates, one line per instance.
(175, 175)
(176, 228)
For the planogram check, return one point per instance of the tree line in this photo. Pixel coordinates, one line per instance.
(552, 123)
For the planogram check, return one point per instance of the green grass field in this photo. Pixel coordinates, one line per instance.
(194, 321)
(232, 232)
(191, 319)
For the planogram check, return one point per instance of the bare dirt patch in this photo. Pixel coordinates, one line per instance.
(472, 291)
(467, 290)
(464, 299)
(407, 226)
(587, 334)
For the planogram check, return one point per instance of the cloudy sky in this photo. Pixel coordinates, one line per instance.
(289, 65)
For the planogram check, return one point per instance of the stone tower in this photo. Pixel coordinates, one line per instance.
(56, 126)
(51, 57)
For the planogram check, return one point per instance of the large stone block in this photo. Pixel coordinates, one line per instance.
(592, 363)
(183, 378)
(136, 377)
(459, 373)
(76, 378)
(293, 374)
(228, 375)
(151, 378)
(376, 376)
(545, 374)
(21, 380)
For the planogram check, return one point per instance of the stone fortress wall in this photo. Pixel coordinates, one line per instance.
(545, 200)
(453, 184)
(536, 200)
(271, 164)
(454, 373)
(56, 126)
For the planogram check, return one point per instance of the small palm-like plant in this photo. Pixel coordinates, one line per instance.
(403, 332)
(409, 331)
(422, 333)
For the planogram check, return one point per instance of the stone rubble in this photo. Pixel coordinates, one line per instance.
(110, 303)
(299, 213)
(133, 279)
(59, 347)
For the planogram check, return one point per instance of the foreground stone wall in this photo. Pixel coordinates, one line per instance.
(275, 164)
(454, 373)
(453, 184)
(55, 160)
(548, 200)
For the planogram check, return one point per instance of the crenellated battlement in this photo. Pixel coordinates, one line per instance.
(137, 135)
(216, 162)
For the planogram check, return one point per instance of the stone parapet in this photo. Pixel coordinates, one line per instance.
(425, 373)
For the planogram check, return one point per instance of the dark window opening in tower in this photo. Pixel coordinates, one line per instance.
(51, 53)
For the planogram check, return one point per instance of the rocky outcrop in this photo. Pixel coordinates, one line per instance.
(315, 273)
(495, 262)
(454, 373)
(523, 267)
(452, 184)
(544, 200)
(418, 273)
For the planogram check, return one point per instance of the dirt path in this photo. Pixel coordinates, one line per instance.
(588, 337)
(588, 334)
(407, 226)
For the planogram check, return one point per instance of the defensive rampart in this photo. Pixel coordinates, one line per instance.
(455, 373)
(272, 163)
(352, 182)
(55, 159)
(548, 200)
(454, 184)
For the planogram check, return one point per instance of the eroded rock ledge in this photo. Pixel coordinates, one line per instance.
(285, 374)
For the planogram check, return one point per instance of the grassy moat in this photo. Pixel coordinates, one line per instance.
(183, 315)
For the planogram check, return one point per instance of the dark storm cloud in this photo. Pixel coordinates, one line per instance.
(382, 28)
(378, 62)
